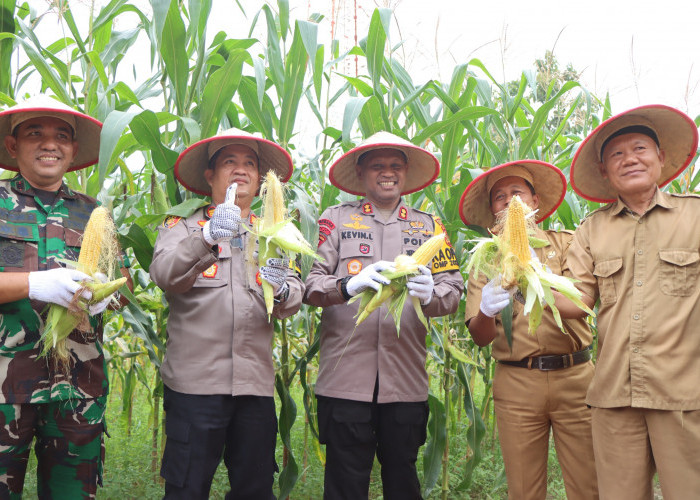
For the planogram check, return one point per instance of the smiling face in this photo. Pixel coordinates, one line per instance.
(504, 190)
(44, 149)
(382, 173)
(632, 164)
(234, 163)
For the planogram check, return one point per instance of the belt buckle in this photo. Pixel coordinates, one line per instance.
(545, 368)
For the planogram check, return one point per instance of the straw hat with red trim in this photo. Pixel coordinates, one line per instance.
(423, 167)
(549, 183)
(676, 133)
(193, 161)
(86, 129)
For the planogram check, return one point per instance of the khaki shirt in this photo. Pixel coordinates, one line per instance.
(548, 338)
(219, 338)
(645, 271)
(352, 236)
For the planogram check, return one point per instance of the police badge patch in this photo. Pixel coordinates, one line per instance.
(364, 248)
(11, 254)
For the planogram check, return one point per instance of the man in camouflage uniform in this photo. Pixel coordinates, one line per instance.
(372, 387)
(41, 223)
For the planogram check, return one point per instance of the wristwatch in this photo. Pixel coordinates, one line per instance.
(344, 287)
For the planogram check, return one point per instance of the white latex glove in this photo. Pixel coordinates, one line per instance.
(369, 277)
(421, 285)
(275, 273)
(95, 309)
(493, 298)
(225, 220)
(57, 286)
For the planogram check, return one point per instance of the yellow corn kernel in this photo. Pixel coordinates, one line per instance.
(425, 253)
(96, 231)
(274, 210)
(515, 231)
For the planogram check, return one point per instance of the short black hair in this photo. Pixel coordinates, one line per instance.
(632, 129)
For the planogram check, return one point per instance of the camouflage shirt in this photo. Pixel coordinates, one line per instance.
(34, 237)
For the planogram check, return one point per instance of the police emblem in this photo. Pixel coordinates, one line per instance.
(201, 222)
(210, 211)
(258, 279)
(354, 266)
(367, 208)
(211, 271)
(171, 221)
(364, 248)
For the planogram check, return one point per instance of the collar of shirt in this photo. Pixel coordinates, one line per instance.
(21, 186)
(399, 213)
(660, 199)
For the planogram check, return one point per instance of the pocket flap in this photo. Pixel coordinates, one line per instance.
(356, 249)
(679, 256)
(21, 232)
(177, 429)
(607, 268)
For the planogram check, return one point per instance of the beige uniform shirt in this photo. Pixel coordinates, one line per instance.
(645, 271)
(353, 236)
(219, 338)
(548, 339)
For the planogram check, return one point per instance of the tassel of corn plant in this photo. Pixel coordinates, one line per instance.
(276, 233)
(508, 254)
(98, 254)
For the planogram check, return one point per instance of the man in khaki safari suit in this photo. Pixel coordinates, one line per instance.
(372, 386)
(638, 257)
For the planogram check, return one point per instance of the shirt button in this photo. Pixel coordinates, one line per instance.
(640, 252)
(636, 316)
(639, 221)
(639, 283)
(636, 349)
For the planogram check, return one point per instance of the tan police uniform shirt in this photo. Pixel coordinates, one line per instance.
(644, 269)
(548, 338)
(353, 236)
(219, 337)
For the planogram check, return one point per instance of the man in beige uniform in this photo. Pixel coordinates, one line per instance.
(540, 383)
(639, 257)
(372, 385)
(217, 371)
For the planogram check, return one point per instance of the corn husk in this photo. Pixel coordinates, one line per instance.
(276, 232)
(506, 254)
(98, 254)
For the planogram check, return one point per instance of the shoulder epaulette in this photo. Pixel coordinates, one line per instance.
(685, 195)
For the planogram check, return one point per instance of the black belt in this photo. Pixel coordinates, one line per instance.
(555, 362)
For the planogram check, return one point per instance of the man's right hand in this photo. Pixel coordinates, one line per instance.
(494, 298)
(369, 277)
(57, 286)
(225, 220)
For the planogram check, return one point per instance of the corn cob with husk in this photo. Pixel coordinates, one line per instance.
(508, 254)
(98, 254)
(276, 232)
(405, 266)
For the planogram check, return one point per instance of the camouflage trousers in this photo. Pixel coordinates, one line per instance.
(69, 447)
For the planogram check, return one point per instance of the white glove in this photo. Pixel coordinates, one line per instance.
(95, 309)
(57, 286)
(421, 285)
(369, 277)
(275, 273)
(493, 299)
(225, 220)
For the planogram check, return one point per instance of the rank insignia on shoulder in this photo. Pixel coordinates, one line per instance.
(367, 208)
(403, 213)
(171, 221)
(354, 266)
(364, 248)
(211, 271)
(210, 211)
(201, 222)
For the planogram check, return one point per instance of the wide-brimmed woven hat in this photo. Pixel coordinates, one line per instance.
(423, 167)
(86, 129)
(549, 183)
(193, 161)
(676, 133)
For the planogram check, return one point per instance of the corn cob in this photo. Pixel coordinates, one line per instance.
(98, 254)
(508, 254)
(276, 232)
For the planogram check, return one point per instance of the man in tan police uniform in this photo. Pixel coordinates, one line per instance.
(638, 257)
(217, 371)
(372, 385)
(541, 380)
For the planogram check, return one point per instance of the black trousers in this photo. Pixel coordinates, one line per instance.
(202, 428)
(353, 431)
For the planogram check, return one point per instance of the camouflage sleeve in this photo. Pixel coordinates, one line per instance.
(179, 256)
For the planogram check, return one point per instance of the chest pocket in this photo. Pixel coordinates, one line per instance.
(355, 255)
(679, 271)
(74, 240)
(607, 272)
(18, 242)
